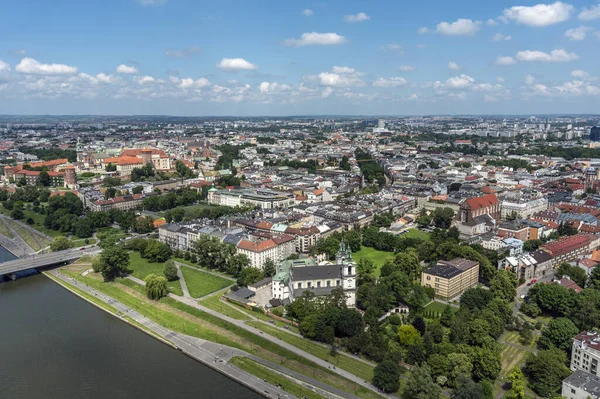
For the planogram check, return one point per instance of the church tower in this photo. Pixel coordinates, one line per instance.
(348, 270)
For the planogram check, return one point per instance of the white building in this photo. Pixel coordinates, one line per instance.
(585, 354)
(522, 210)
(581, 385)
(276, 249)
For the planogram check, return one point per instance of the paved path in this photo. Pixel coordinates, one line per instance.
(202, 350)
(18, 242)
(184, 287)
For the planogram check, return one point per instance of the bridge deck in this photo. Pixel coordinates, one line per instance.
(43, 260)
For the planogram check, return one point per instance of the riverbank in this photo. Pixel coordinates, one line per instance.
(198, 349)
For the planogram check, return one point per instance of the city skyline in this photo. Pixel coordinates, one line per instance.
(340, 58)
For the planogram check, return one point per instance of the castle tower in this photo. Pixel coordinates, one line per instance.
(70, 179)
(147, 156)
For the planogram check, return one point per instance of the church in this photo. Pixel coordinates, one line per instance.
(294, 277)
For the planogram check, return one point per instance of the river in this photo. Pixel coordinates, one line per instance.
(55, 345)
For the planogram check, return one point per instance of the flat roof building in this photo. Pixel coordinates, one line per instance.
(450, 279)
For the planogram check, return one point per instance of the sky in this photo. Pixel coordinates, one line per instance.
(276, 57)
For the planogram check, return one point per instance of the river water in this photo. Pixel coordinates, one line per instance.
(55, 345)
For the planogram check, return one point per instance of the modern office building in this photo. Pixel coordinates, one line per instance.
(450, 279)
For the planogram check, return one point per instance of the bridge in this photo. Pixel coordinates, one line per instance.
(43, 260)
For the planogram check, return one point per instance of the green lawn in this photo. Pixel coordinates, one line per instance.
(213, 302)
(195, 265)
(416, 233)
(141, 268)
(354, 366)
(266, 374)
(438, 307)
(511, 357)
(81, 242)
(27, 236)
(200, 283)
(5, 230)
(514, 337)
(374, 255)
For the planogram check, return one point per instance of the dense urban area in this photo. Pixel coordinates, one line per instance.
(411, 257)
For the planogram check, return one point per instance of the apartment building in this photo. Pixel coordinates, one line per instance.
(450, 279)
(276, 248)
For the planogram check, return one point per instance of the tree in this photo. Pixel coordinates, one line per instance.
(237, 263)
(156, 287)
(60, 243)
(442, 217)
(344, 163)
(249, 275)
(458, 364)
(407, 334)
(504, 285)
(531, 245)
(546, 370)
(170, 271)
(595, 277)
(84, 229)
(420, 385)
(365, 270)
(111, 167)
(184, 171)
(577, 274)
(517, 384)
(114, 262)
(17, 214)
(386, 376)
(447, 316)
(43, 179)
(110, 192)
(475, 298)
(559, 333)
(466, 388)
(156, 251)
(269, 267)
(137, 190)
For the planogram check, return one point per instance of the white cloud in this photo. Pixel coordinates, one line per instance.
(498, 37)
(588, 14)
(529, 80)
(422, 30)
(407, 68)
(361, 16)
(392, 47)
(189, 83)
(491, 22)
(307, 12)
(500, 79)
(126, 69)
(538, 15)
(236, 64)
(339, 77)
(103, 78)
(390, 82)
(461, 27)
(558, 55)
(453, 66)
(327, 92)
(505, 60)
(147, 3)
(583, 75)
(181, 53)
(17, 52)
(578, 33)
(316, 39)
(272, 87)
(34, 67)
(4, 67)
(460, 82)
(142, 80)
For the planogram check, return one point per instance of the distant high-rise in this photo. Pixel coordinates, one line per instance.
(595, 133)
(381, 124)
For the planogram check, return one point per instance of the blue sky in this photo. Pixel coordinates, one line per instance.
(276, 57)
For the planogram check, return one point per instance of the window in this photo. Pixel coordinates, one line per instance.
(428, 277)
(299, 285)
(318, 284)
(309, 284)
(337, 283)
(328, 283)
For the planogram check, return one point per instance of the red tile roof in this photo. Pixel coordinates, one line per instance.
(566, 244)
(256, 246)
(570, 284)
(481, 202)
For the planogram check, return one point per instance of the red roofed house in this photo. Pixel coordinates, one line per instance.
(277, 248)
(570, 284)
(477, 206)
(568, 248)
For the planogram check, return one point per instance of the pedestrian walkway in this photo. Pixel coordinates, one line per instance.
(184, 288)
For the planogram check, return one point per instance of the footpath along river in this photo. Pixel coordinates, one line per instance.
(55, 345)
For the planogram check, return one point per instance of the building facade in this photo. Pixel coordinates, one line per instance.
(450, 279)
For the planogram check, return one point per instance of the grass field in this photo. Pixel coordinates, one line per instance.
(438, 307)
(5, 230)
(27, 236)
(213, 302)
(514, 337)
(416, 233)
(200, 283)
(374, 255)
(141, 268)
(354, 366)
(511, 357)
(81, 242)
(194, 265)
(266, 374)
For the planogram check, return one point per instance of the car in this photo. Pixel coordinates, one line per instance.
(533, 281)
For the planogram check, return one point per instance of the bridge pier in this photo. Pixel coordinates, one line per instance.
(12, 276)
